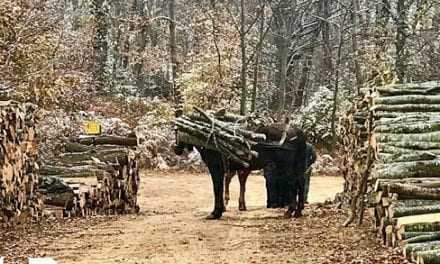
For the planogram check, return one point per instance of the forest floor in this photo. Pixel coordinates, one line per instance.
(171, 229)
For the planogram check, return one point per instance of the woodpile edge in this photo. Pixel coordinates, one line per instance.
(391, 150)
(94, 175)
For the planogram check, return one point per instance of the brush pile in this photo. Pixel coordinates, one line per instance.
(403, 137)
(226, 133)
(95, 175)
(19, 169)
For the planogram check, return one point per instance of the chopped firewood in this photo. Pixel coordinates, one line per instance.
(19, 177)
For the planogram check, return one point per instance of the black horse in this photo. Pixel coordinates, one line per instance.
(288, 158)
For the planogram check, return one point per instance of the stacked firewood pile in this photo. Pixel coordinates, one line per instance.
(354, 141)
(404, 179)
(94, 175)
(19, 176)
(227, 133)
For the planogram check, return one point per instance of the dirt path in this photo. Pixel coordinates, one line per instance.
(171, 229)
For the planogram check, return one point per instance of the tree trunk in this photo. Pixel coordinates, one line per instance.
(355, 44)
(299, 96)
(243, 74)
(141, 39)
(336, 85)
(257, 63)
(327, 47)
(280, 101)
(100, 45)
(173, 54)
(401, 39)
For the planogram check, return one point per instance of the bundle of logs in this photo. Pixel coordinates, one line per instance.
(19, 170)
(401, 170)
(227, 133)
(95, 175)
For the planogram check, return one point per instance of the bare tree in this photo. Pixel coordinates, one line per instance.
(100, 45)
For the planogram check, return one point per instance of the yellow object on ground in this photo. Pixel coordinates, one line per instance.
(92, 127)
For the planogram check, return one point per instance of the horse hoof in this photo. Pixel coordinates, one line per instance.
(297, 214)
(214, 216)
(287, 214)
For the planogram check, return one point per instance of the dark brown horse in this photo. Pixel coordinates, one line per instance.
(288, 157)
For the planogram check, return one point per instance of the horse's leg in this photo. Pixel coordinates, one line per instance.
(242, 177)
(228, 178)
(292, 196)
(268, 175)
(301, 191)
(217, 175)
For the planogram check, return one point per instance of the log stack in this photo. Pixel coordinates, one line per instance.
(354, 141)
(222, 132)
(404, 180)
(19, 178)
(94, 175)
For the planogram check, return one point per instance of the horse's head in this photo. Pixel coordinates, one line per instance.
(180, 147)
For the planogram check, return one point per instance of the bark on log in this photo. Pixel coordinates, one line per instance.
(391, 148)
(98, 174)
(107, 140)
(401, 211)
(405, 108)
(59, 170)
(408, 99)
(62, 199)
(422, 182)
(409, 128)
(426, 88)
(421, 227)
(413, 169)
(81, 158)
(196, 141)
(71, 147)
(407, 118)
(416, 247)
(415, 203)
(414, 191)
(427, 237)
(409, 235)
(424, 137)
(428, 257)
(379, 115)
(408, 157)
(417, 145)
